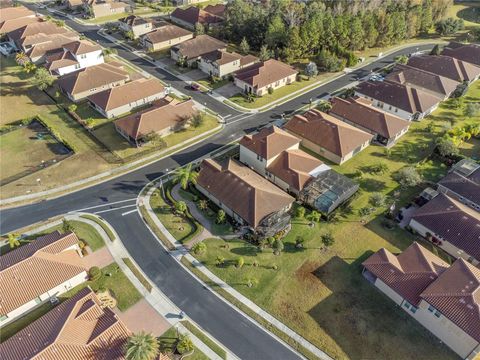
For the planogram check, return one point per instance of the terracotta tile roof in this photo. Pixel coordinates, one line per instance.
(92, 77)
(199, 46)
(408, 273)
(77, 329)
(456, 294)
(407, 98)
(14, 24)
(466, 186)
(294, 167)
(328, 132)
(446, 66)
(193, 15)
(453, 221)
(134, 20)
(55, 42)
(118, 5)
(221, 57)
(60, 59)
(81, 47)
(15, 12)
(466, 52)
(127, 93)
(163, 115)
(407, 75)
(248, 60)
(47, 255)
(269, 142)
(265, 73)
(218, 10)
(359, 111)
(44, 27)
(242, 190)
(165, 33)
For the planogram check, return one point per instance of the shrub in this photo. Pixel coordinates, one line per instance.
(72, 108)
(199, 248)
(185, 344)
(240, 262)
(300, 212)
(278, 246)
(221, 217)
(299, 242)
(377, 199)
(270, 90)
(94, 273)
(408, 176)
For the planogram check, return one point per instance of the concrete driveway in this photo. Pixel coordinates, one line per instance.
(228, 90)
(196, 75)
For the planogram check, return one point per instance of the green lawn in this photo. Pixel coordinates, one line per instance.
(168, 342)
(471, 148)
(321, 293)
(121, 288)
(468, 11)
(105, 19)
(105, 228)
(214, 86)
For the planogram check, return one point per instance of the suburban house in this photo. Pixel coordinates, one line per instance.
(441, 297)
(469, 53)
(164, 117)
(187, 2)
(407, 102)
(434, 84)
(85, 82)
(192, 50)
(447, 66)
(55, 257)
(463, 183)
(258, 78)
(137, 25)
(328, 136)
(217, 9)
(165, 37)
(78, 328)
(359, 112)
(74, 4)
(73, 56)
(248, 198)
(13, 18)
(192, 15)
(101, 8)
(451, 225)
(222, 63)
(122, 99)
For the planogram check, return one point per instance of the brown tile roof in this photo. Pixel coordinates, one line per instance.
(242, 190)
(77, 329)
(359, 111)
(269, 142)
(193, 15)
(456, 294)
(407, 98)
(446, 66)
(265, 73)
(20, 269)
(36, 28)
(81, 47)
(59, 59)
(165, 33)
(294, 167)
(407, 75)
(465, 186)
(453, 221)
(127, 93)
(328, 132)
(15, 12)
(14, 24)
(221, 57)
(218, 10)
(163, 115)
(55, 42)
(91, 78)
(465, 52)
(199, 46)
(408, 273)
(134, 20)
(248, 60)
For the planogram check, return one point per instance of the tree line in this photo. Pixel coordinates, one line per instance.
(326, 31)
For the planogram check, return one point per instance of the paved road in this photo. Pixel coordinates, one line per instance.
(115, 200)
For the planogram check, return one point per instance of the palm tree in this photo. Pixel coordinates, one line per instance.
(13, 241)
(141, 346)
(109, 51)
(21, 58)
(184, 176)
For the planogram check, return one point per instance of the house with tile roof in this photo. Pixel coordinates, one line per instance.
(13, 18)
(442, 298)
(359, 112)
(192, 50)
(73, 56)
(165, 37)
(328, 136)
(34, 273)
(136, 24)
(248, 198)
(91, 80)
(166, 116)
(101, 8)
(429, 82)
(446, 66)
(192, 15)
(469, 53)
(453, 226)
(122, 99)
(404, 101)
(222, 63)
(258, 78)
(79, 328)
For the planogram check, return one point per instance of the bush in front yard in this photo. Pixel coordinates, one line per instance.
(94, 273)
(270, 90)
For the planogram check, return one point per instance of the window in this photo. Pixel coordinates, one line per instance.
(38, 300)
(396, 110)
(390, 108)
(83, 56)
(434, 311)
(3, 318)
(407, 305)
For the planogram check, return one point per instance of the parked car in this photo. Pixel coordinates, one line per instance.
(194, 86)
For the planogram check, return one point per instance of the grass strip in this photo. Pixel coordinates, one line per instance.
(205, 339)
(104, 226)
(155, 229)
(137, 274)
(249, 312)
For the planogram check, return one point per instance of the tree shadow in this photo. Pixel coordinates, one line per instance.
(371, 185)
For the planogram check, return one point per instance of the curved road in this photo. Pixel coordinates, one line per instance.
(115, 197)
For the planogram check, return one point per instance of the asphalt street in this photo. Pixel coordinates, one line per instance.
(114, 200)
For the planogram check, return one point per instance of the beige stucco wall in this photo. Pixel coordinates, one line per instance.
(166, 44)
(219, 71)
(100, 10)
(85, 94)
(264, 90)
